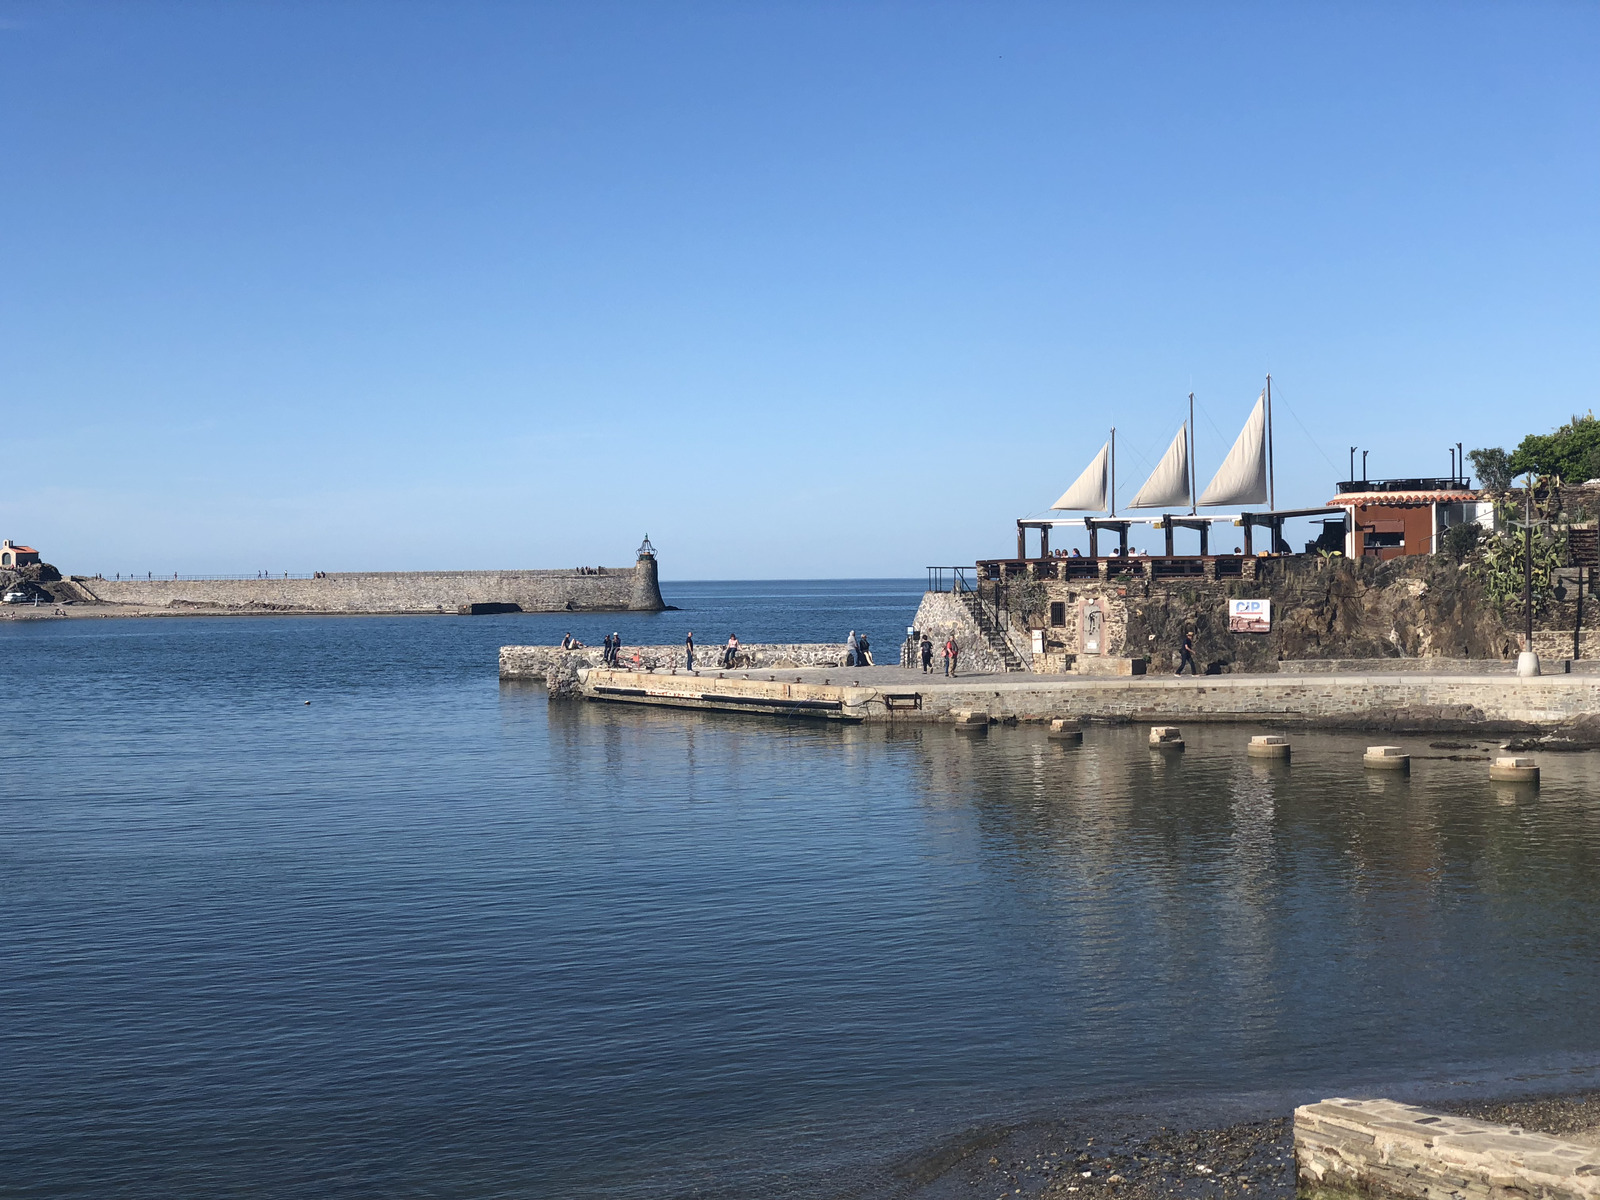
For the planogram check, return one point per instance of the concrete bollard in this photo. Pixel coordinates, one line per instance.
(1166, 737)
(1510, 768)
(971, 720)
(1386, 758)
(1065, 729)
(1268, 745)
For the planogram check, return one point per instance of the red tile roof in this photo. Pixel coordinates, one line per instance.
(1378, 499)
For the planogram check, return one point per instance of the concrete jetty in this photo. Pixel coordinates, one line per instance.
(1411, 702)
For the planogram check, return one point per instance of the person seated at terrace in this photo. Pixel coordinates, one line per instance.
(1076, 553)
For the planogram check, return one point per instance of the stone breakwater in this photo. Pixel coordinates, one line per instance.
(603, 589)
(1390, 702)
(540, 662)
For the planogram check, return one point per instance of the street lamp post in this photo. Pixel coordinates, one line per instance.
(1527, 661)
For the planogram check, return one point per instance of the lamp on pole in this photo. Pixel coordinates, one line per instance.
(1527, 661)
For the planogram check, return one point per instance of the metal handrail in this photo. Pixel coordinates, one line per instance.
(958, 579)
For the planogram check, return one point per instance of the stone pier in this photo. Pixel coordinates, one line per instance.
(1413, 702)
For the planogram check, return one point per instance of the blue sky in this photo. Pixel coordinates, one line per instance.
(804, 290)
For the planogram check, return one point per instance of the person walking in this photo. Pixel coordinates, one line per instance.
(927, 654)
(1186, 655)
(732, 652)
(616, 648)
(688, 650)
(610, 655)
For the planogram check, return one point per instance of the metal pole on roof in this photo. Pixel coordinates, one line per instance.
(1113, 470)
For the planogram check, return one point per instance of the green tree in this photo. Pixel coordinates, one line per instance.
(1571, 452)
(1493, 467)
(1500, 557)
(1460, 541)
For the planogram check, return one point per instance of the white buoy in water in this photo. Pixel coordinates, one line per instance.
(1166, 737)
(1386, 758)
(1268, 745)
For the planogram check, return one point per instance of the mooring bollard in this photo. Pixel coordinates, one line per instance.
(1386, 758)
(1065, 729)
(1510, 768)
(971, 720)
(1268, 745)
(1166, 737)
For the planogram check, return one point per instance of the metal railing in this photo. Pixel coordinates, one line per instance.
(949, 579)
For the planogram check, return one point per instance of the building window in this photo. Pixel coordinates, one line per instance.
(1058, 612)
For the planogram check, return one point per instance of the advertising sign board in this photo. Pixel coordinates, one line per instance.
(1250, 616)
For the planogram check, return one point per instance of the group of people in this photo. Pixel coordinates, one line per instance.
(952, 654)
(730, 652)
(857, 650)
(611, 646)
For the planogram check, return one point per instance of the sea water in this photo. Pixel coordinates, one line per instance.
(429, 935)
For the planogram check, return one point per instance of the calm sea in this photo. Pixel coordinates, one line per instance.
(430, 936)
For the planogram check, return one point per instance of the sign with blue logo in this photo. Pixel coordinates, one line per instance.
(1250, 616)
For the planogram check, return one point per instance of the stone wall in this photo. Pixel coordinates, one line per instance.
(941, 615)
(1552, 645)
(539, 662)
(610, 589)
(1374, 1147)
(1417, 607)
(1392, 666)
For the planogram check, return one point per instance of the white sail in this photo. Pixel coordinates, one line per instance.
(1088, 494)
(1168, 484)
(1242, 478)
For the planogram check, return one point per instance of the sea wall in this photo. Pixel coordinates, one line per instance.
(1390, 703)
(1379, 1147)
(539, 662)
(602, 589)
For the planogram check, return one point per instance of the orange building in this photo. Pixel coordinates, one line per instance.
(17, 556)
(1389, 518)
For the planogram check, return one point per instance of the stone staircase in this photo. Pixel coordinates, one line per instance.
(983, 617)
(1582, 547)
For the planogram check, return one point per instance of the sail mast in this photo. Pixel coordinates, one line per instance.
(1272, 490)
(1113, 470)
(1194, 496)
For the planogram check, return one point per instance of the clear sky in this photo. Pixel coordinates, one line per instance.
(801, 289)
